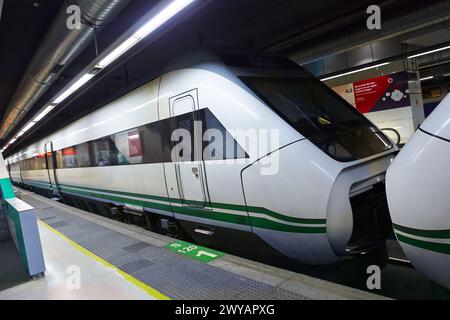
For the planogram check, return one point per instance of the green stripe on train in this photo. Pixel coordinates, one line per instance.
(216, 205)
(432, 246)
(212, 215)
(437, 234)
(40, 184)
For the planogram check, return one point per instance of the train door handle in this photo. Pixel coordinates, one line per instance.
(204, 231)
(195, 171)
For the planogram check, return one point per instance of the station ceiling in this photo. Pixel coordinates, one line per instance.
(274, 25)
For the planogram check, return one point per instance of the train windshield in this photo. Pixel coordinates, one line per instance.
(320, 115)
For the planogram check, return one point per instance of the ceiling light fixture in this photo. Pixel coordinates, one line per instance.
(355, 71)
(154, 23)
(428, 52)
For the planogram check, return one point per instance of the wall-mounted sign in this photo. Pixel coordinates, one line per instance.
(382, 93)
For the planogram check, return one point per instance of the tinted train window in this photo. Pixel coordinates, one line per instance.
(184, 121)
(153, 148)
(58, 155)
(149, 143)
(321, 116)
(128, 146)
(35, 163)
(48, 160)
(83, 155)
(102, 155)
(69, 158)
(212, 129)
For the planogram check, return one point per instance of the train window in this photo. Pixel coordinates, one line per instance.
(321, 116)
(154, 151)
(49, 160)
(213, 129)
(184, 121)
(30, 163)
(166, 129)
(40, 162)
(149, 143)
(34, 163)
(102, 153)
(83, 155)
(129, 147)
(69, 158)
(59, 161)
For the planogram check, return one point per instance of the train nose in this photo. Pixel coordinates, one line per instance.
(315, 221)
(417, 189)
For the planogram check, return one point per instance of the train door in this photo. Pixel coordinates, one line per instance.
(51, 167)
(190, 175)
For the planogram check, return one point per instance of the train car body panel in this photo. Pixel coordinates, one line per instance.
(438, 122)
(321, 213)
(419, 202)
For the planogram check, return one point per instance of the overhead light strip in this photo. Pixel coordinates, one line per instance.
(166, 14)
(44, 113)
(426, 78)
(428, 52)
(355, 71)
(28, 126)
(77, 85)
(157, 21)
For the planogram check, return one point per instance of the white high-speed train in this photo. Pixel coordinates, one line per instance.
(418, 190)
(294, 176)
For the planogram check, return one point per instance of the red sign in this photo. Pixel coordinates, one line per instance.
(368, 92)
(382, 93)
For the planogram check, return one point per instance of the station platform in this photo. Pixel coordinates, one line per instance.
(121, 261)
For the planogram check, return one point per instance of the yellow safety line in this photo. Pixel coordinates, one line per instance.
(153, 292)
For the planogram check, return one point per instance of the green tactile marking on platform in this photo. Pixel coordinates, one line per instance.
(194, 251)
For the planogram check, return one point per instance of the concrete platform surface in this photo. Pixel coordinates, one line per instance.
(61, 281)
(12, 270)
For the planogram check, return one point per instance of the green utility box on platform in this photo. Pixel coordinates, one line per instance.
(22, 225)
